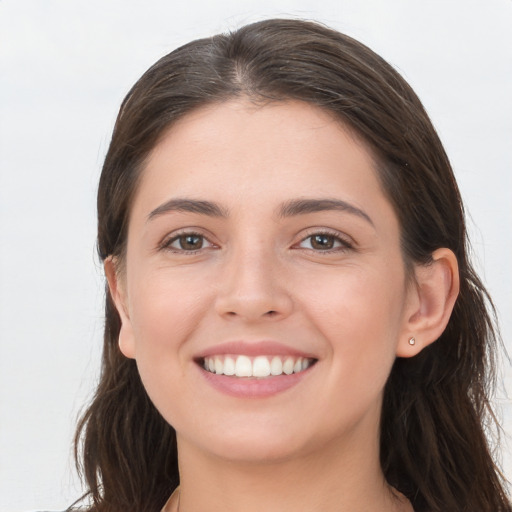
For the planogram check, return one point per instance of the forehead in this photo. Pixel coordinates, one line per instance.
(246, 154)
(276, 142)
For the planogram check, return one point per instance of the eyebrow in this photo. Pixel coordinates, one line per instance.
(305, 206)
(289, 209)
(189, 205)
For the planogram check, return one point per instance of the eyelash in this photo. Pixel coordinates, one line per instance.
(343, 243)
(167, 243)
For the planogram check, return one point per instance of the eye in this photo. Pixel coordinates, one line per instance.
(187, 242)
(324, 242)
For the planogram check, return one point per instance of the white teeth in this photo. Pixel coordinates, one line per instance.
(288, 366)
(243, 367)
(229, 366)
(276, 366)
(259, 367)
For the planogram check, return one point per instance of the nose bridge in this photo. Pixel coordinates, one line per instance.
(251, 285)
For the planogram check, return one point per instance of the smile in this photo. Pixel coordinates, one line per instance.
(257, 367)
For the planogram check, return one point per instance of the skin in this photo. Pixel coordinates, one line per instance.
(257, 275)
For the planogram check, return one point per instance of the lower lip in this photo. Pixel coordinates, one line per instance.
(251, 387)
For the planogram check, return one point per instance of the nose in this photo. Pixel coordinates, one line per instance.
(252, 287)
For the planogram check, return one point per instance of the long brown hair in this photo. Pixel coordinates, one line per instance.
(436, 406)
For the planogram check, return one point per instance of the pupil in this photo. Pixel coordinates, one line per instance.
(191, 242)
(323, 242)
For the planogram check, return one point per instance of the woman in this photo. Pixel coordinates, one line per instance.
(292, 322)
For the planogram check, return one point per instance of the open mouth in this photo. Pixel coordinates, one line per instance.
(256, 367)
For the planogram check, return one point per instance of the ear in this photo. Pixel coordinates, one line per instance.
(118, 294)
(430, 302)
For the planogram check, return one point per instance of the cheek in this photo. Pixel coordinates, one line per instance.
(166, 310)
(360, 318)
(166, 313)
(360, 314)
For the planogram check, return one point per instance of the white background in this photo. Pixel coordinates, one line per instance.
(65, 67)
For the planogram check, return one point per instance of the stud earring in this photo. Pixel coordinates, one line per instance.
(412, 340)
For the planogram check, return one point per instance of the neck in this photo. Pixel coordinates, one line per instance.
(326, 481)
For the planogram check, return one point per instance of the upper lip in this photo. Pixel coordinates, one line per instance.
(253, 348)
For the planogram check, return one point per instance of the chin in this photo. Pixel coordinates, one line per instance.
(259, 441)
(257, 450)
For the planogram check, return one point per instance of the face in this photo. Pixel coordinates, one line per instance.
(264, 293)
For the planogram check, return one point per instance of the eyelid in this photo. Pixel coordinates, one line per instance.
(170, 238)
(347, 242)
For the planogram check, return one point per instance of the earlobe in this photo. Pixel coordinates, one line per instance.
(118, 294)
(431, 302)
